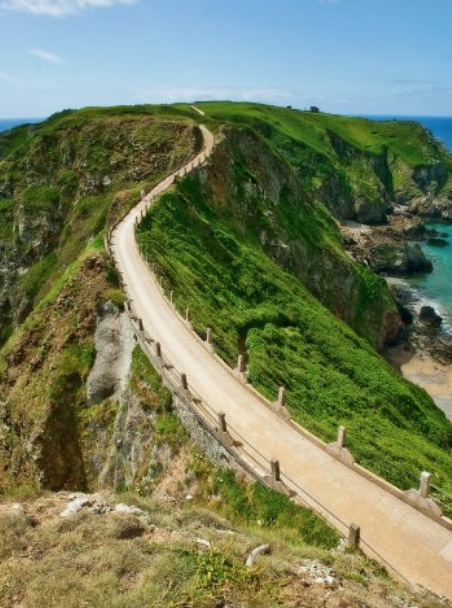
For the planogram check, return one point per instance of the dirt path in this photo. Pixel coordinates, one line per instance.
(415, 546)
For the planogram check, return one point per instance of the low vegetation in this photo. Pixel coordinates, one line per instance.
(157, 559)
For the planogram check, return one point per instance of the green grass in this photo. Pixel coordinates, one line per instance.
(406, 139)
(258, 506)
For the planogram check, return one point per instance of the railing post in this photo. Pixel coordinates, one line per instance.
(342, 437)
(171, 296)
(183, 379)
(187, 315)
(209, 336)
(222, 422)
(140, 324)
(275, 471)
(281, 396)
(354, 535)
(241, 364)
(424, 487)
(158, 349)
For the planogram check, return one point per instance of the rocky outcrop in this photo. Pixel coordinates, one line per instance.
(438, 208)
(370, 211)
(114, 345)
(399, 259)
(429, 316)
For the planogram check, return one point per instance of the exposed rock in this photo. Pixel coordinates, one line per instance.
(429, 316)
(437, 242)
(415, 232)
(399, 259)
(432, 207)
(429, 177)
(370, 211)
(114, 345)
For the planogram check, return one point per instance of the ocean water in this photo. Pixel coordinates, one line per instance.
(435, 288)
(10, 123)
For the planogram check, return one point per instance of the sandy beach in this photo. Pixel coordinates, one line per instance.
(421, 369)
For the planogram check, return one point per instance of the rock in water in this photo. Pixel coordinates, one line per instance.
(437, 242)
(429, 316)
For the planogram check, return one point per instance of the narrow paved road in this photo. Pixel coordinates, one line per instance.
(419, 549)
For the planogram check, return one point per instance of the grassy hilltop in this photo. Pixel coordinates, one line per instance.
(250, 243)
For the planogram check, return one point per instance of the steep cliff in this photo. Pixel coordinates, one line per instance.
(259, 194)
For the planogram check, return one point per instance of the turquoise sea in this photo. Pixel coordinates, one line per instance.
(435, 288)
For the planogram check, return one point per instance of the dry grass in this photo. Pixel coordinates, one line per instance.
(154, 561)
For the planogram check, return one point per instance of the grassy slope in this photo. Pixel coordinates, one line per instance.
(406, 139)
(128, 561)
(332, 376)
(372, 159)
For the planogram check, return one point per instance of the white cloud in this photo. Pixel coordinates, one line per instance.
(169, 94)
(46, 55)
(57, 8)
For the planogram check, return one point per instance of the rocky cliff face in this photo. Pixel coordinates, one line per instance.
(262, 196)
(77, 409)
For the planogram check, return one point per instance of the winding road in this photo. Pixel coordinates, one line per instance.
(415, 546)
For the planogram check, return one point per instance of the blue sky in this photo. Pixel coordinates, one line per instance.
(346, 56)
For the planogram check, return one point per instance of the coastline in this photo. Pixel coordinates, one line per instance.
(415, 356)
(420, 368)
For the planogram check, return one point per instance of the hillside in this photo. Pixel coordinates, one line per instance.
(358, 168)
(250, 243)
(206, 240)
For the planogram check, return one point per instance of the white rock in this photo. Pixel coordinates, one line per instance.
(123, 508)
(75, 505)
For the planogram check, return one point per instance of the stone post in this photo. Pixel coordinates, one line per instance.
(342, 437)
(158, 349)
(187, 315)
(241, 364)
(354, 534)
(424, 487)
(183, 379)
(171, 296)
(281, 396)
(275, 471)
(222, 426)
(209, 336)
(140, 324)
